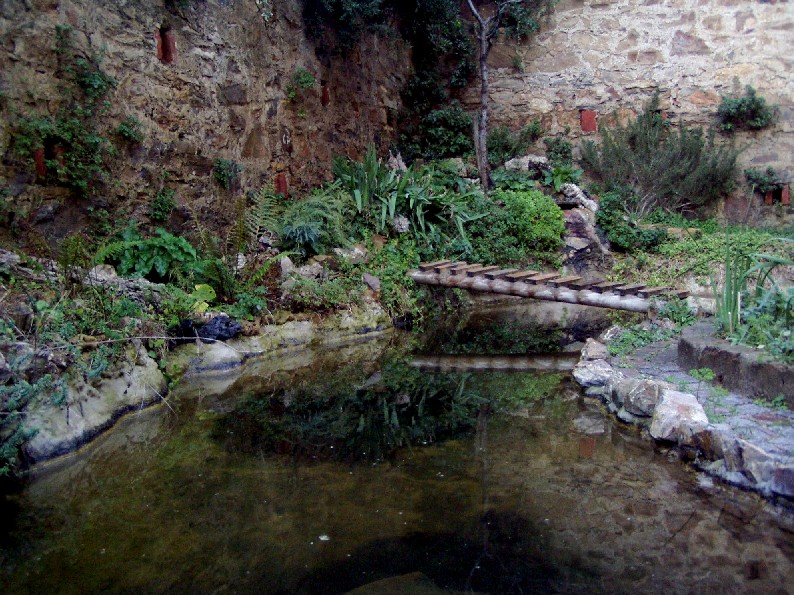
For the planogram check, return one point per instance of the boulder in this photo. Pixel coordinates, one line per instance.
(592, 373)
(356, 254)
(372, 282)
(593, 350)
(637, 395)
(677, 418)
(287, 267)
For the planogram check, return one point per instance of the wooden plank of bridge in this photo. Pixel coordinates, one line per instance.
(521, 275)
(480, 271)
(426, 266)
(651, 291)
(579, 285)
(606, 286)
(542, 278)
(499, 273)
(448, 265)
(634, 288)
(563, 280)
(459, 270)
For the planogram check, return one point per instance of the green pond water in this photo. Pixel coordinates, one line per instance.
(322, 472)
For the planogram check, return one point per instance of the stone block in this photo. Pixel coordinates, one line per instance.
(638, 396)
(677, 418)
(593, 350)
(593, 373)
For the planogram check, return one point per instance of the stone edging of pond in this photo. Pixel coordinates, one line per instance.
(138, 382)
(675, 418)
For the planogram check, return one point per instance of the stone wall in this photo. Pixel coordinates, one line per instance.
(208, 81)
(597, 57)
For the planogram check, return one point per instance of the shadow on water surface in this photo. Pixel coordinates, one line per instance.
(504, 553)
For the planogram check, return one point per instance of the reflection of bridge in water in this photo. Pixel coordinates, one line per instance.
(553, 287)
(555, 362)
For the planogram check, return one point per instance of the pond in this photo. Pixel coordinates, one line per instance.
(362, 468)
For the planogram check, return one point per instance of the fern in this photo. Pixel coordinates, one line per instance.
(264, 215)
(316, 223)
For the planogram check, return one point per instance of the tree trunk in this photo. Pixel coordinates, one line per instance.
(481, 123)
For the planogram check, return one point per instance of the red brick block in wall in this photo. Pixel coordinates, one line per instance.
(166, 45)
(785, 195)
(281, 185)
(38, 160)
(588, 120)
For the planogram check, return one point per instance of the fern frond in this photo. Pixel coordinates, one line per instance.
(264, 214)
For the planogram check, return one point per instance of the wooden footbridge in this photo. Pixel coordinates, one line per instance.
(543, 286)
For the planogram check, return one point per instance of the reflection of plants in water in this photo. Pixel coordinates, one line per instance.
(510, 391)
(499, 338)
(403, 406)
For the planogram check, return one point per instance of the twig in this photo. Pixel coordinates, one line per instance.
(167, 404)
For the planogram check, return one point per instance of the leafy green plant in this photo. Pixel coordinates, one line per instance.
(561, 174)
(441, 133)
(264, 215)
(433, 212)
(702, 375)
(621, 229)
(678, 312)
(517, 226)
(728, 296)
(155, 258)
(301, 81)
(559, 150)
(130, 129)
(161, 206)
(750, 112)
(226, 172)
(764, 181)
(636, 337)
(317, 223)
(504, 144)
(657, 167)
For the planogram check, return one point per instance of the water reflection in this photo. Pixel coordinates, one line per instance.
(347, 417)
(554, 497)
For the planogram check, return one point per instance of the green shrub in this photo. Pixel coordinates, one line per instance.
(505, 144)
(764, 181)
(130, 129)
(302, 80)
(435, 214)
(161, 206)
(518, 226)
(662, 168)
(317, 223)
(750, 112)
(621, 229)
(558, 150)
(442, 133)
(226, 172)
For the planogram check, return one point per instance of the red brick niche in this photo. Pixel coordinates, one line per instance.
(166, 44)
(281, 186)
(588, 121)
